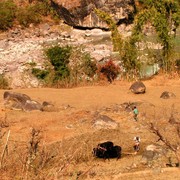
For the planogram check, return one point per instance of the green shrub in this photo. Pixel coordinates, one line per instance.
(40, 73)
(59, 59)
(34, 12)
(66, 67)
(7, 14)
(3, 82)
(109, 70)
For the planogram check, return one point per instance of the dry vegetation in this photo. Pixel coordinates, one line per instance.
(58, 145)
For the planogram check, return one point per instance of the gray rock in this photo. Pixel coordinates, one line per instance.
(16, 97)
(81, 13)
(31, 105)
(49, 107)
(153, 152)
(138, 87)
(148, 155)
(18, 101)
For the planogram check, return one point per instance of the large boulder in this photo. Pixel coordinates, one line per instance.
(153, 152)
(18, 101)
(80, 13)
(16, 97)
(138, 87)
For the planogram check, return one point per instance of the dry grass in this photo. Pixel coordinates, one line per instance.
(67, 136)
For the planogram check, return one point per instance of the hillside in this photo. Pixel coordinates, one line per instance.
(68, 135)
(56, 141)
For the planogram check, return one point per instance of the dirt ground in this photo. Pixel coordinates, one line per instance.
(72, 117)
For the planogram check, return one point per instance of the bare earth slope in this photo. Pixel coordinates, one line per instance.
(74, 109)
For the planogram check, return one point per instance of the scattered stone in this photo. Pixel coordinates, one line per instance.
(167, 95)
(70, 126)
(128, 106)
(148, 155)
(46, 106)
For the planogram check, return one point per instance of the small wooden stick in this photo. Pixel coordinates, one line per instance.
(5, 147)
(129, 153)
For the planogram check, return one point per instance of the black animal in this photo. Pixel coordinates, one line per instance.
(107, 150)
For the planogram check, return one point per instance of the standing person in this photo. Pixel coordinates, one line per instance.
(137, 144)
(135, 111)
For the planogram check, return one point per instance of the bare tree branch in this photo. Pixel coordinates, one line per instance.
(161, 137)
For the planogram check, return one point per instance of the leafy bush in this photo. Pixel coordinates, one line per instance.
(110, 70)
(7, 14)
(34, 12)
(66, 67)
(40, 73)
(59, 58)
(3, 82)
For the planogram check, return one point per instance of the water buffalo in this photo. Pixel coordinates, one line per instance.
(107, 150)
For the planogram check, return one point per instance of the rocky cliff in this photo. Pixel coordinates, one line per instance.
(80, 13)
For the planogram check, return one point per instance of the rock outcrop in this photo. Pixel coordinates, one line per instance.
(78, 13)
(18, 101)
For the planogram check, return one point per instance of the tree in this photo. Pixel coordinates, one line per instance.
(172, 143)
(115, 35)
(127, 50)
(164, 15)
(168, 133)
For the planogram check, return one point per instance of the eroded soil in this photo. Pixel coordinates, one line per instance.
(71, 123)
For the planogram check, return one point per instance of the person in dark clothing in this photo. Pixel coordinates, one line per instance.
(137, 144)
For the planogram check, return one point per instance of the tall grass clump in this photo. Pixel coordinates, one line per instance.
(82, 66)
(3, 82)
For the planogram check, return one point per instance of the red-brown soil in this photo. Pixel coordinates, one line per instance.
(74, 108)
